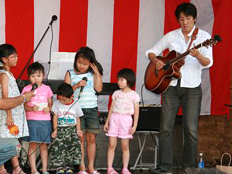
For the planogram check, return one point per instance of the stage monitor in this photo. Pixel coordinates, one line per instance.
(149, 119)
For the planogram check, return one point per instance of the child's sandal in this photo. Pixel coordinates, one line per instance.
(126, 171)
(68, 171)
(112, 171)
(82, 172)
(94, 172)
(46, 172)
(60, 171)
(18, 171)
(4, 171)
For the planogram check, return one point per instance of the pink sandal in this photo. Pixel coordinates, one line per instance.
(126, 171)
(18, 171)
(4, 171)
(82, 172)
(94, 172)
(111, 171)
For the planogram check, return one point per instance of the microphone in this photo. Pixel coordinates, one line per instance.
(34, 86)
(54, 18)
(82, 88)
(20, 83)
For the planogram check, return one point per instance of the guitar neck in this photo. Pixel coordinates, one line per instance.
(182, 56)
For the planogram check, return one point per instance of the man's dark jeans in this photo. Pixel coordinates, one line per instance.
(190, 101)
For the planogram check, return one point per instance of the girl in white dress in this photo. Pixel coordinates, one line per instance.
(8, 89)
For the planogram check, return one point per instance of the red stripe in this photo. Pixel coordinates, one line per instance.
(170, 21)
(125, 36)
(220, 72)
(73, 25)
(20, 31)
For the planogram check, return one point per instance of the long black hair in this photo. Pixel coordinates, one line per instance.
(87, 53)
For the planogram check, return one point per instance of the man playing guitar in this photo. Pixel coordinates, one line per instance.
(185, 91)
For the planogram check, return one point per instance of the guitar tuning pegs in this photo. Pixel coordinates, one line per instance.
(217, 38)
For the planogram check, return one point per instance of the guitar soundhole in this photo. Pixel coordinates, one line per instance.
(166, 66)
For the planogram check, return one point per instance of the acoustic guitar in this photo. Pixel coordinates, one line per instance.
(157, 81)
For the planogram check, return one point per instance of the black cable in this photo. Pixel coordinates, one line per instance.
(96, 154)
(154, 139)
(23, 160)
(18, 81)
(24, 119)
(57, 126)
(120, 160)
(49, 66)
(177, 167)
(29, 60)
(50, 54)
(142, 95)
(28, 156)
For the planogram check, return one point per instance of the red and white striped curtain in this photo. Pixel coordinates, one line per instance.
(119, 31)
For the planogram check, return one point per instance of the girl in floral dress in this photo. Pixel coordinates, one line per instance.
(9, 88)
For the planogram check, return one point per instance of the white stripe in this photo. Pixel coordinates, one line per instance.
(43, 12)
(99, 37)
(151, 25)
(205, 20)
(2, 22)
(205, 15)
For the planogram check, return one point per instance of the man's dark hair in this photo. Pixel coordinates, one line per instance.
(187, 8)
(65, 90)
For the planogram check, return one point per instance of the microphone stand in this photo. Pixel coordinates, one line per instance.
(19, 82)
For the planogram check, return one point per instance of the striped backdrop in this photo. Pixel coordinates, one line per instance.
(119, 31)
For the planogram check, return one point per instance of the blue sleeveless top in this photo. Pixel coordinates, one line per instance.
(88, 98)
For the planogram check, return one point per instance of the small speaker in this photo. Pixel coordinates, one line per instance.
(149, 119)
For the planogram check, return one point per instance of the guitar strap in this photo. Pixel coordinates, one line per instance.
(193, 37)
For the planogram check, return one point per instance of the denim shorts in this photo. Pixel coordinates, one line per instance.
(90, 121)
(39, 131)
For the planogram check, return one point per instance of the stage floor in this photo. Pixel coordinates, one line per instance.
(137, 172)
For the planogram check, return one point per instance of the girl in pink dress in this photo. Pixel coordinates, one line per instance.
(38, 117)
(119, 123)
